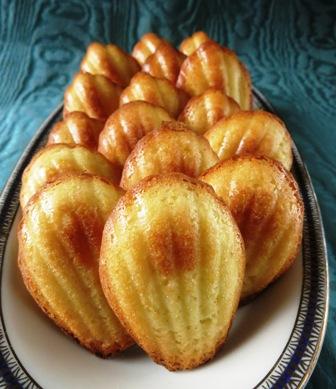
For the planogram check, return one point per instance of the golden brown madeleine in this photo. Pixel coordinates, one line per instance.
(165, 62)
(59, 244)
(171, 266)
(126, 126)
(203, 111)
(252, 132)
(193, 42)
(95, 95)
(266, 203)
(165, 150)
(146, 46)
(57, 160)
(110, 61)
(214, 66)
(77, 128)
(157, 91)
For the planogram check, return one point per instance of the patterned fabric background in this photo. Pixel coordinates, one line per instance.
(289, 47)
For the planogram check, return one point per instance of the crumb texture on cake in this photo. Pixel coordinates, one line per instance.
(59, 244)
(172, 263)
(265, 201)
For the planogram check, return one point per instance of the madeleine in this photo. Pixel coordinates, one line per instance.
(77, 128)
(203, 111)
(146, 46)
(167, 150)
(59, 244)
(110, 61)
(171, 266)
(265, 201)
(126, 126)
(165, 62)
(157, 91)
(93, 94)
(60, 159)
(252, 132)
(214, 66)
(193, 42)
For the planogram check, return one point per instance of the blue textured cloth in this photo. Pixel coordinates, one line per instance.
(289, 47)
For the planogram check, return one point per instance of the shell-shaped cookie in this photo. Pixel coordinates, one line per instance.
(265, 201)
(203, 111)
(110, 61)
(146, 46)
(57, 160)
(193, 42)
(165, 150)
(59, 243)
(165, 62)
(214, 66)
(252, 132)
(168, 250)
(95, 95)
(77, 128)
(126, 126)
(157, 91)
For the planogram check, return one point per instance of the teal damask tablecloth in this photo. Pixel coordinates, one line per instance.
(289, 47)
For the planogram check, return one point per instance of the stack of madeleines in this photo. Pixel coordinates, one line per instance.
(161, 201)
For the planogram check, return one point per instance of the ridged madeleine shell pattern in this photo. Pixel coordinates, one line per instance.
(266, 203)
(57, 160)
(95, 95)
(77, 128)
(157, 91)
(110, 61)
(125, 127)
(203, 111)
(163, 151)
(171, 266)
(146, 46)
(59, 243)
(193, 42)
(252, 132)
(165, 62)
(214, 66)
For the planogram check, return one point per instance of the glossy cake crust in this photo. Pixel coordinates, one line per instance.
(174, 275)
(125, 127)
(157, 91)
(265, 201)
(77, 128)
(56, 160)
(59, 242)
(205, 110)
(110, 61)
(171, 148)
(214, 66)
(93, 94)
(252, 132)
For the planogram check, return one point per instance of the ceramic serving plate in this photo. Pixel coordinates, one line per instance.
(274, 342)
